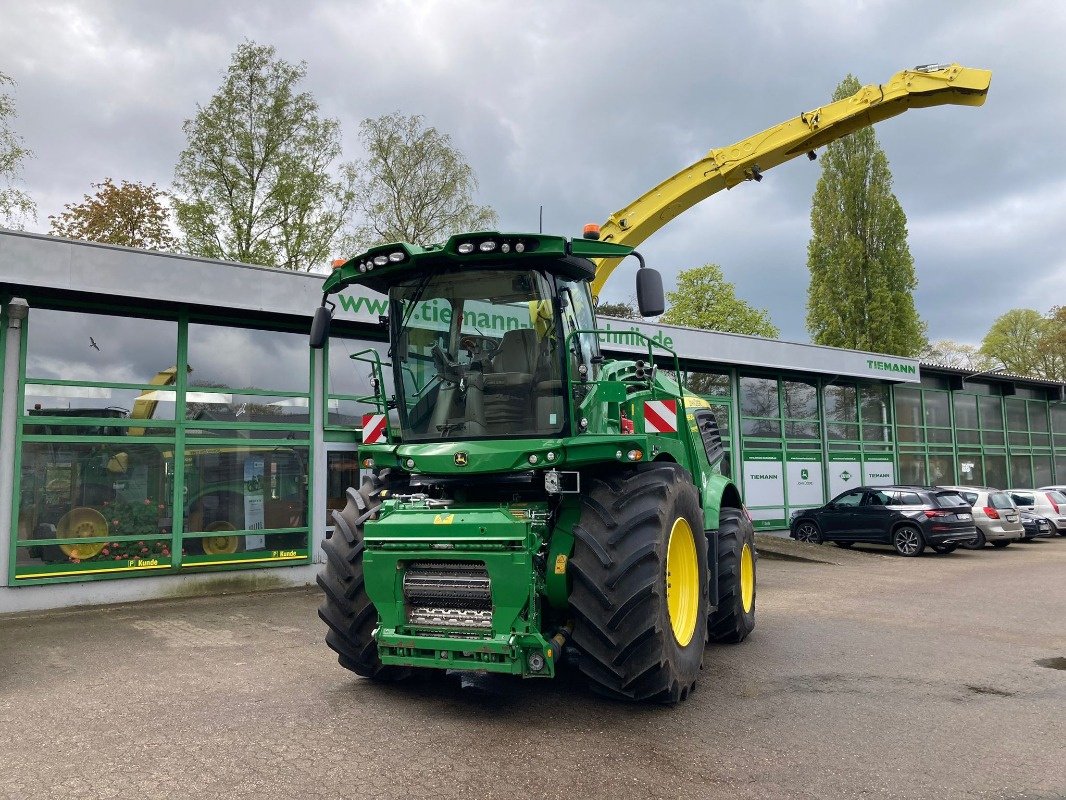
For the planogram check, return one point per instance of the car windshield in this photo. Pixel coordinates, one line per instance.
(1000, 500)
(476, 355)
(950, 500)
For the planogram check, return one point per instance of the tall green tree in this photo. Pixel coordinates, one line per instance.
(131, 215)
(415, 185)
(705, 299)
(16, 207)
(256, 182)
(1029, 343)
(862, 274)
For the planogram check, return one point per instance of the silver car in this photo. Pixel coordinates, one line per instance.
(994, 514)
(1045, 502)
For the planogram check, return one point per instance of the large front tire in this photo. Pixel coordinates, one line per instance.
(639, 591)
(347, 609)
(734, 618)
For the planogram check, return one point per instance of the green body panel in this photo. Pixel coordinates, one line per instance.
(504, 538)
(525, 547)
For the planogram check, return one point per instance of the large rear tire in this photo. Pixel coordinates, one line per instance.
(734, 618)
(347, 609)
(639, 585)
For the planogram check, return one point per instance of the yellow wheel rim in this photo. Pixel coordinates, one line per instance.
(81, 523)
(682, 581)
(219, 545)
(747, 578)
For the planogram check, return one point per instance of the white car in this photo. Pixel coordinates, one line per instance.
(1048, 501)
(994, 514)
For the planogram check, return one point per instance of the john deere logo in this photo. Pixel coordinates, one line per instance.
(805, 475)
(461, 459)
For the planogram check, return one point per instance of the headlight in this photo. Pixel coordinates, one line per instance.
(795, 514)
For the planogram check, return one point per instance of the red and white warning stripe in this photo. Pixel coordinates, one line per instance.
(660, 416)
(373, 428)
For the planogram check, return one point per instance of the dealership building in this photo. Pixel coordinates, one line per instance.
(166, 430)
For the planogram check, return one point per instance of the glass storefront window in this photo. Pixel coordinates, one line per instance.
(203, 406)
(912, 468)
(941, 469)
(1016, 416)
(761, 427)
(908, 403)
(79, 346)
(759, 398)
(1021, 472)
(224, 357)
(937, 409)
(840, 403)
(1042, 475)
(965, 411)
(801, 399)
(43, 400)
(970, 469)
(874, 403)
(98, 503)
(245, 488)
(708, 384)
(996, 471)
(342, 471)
(1038, 416)
(349, 379)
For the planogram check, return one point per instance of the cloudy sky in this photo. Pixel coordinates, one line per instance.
(582, 106)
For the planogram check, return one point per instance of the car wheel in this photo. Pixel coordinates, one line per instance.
(944, 548)
(908, 541)
(808, 532)
(975, 543)
(1001, 543)
(844, 545)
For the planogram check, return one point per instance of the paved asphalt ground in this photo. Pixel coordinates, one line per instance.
(873, 677)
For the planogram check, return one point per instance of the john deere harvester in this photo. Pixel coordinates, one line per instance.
(530, 499)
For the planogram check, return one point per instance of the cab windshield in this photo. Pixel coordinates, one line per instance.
(476, 354)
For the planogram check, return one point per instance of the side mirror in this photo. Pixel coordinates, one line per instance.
(650, 299)
(320, 327)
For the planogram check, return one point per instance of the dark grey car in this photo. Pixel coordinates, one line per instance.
(906, 517)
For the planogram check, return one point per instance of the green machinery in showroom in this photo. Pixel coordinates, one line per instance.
(529, 499)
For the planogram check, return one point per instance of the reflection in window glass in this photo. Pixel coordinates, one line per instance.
(709, 384)
(873, 403)
(247, 358)
(937, 413)
(342, 471)
(912, 468)
(941, 469)
(970, 471)
(43, 400)
(996, 471)
(758, 397)
(1016, 419)
(73, 345)
(876, 433)
(991, 409)
(1041, 470)
(908, 404)
(841, 431)
(1038, 416)
(801, 399)
(245, 488)
(348, 376)
(721, 416)
(202, 406)
(965, 411)
(761, 427)
(840, 403)
(1021, 471)
(801, 430)
(100, 490)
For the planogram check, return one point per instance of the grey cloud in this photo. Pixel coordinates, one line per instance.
(582, 107)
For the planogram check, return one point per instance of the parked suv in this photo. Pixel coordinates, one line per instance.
(995, 515)
(1047, 502)
(906, 517)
